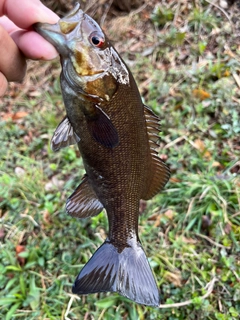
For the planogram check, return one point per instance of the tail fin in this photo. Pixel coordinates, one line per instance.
(127, 273)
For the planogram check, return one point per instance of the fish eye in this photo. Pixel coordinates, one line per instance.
(96, 40)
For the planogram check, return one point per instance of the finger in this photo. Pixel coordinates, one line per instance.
(3, 84)
(12, 62)
(24, 13)
(8, 25)
(33, 46)
(30, 43)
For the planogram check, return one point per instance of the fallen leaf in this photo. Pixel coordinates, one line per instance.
(20, 249)
(226, 73)
(15, 116)
(216, 164)
(199, 145)
(201, 94)
(228, 228)
(46, 218)
(158, 221)
(169, 214)
(174, 278)
(19, 115)
(187, 240)
(174, 179)
(2, 233)
(153, 217)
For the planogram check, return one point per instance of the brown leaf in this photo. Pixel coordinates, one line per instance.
(20, 249)
(201, 94)
(169, 214)
(199, 145)
(174, 278)
(46, 218)
(153, 217)
(14, 116)
(228, 228)
(19, 115)
(2, 233)
(216, 164)
(174, 179)
(188, 240)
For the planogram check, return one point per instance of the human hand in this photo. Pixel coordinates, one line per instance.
(17, 39)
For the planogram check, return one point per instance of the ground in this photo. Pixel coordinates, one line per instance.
(185, 58)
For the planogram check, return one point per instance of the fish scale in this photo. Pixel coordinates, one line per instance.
(117, 136)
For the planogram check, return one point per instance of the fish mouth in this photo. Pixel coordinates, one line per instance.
(57, 34)
(52, 33)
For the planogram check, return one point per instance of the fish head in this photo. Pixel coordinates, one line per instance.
(89, 61)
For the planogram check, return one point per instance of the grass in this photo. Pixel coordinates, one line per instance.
(191, 231)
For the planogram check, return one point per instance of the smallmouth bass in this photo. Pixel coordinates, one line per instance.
(117, 137)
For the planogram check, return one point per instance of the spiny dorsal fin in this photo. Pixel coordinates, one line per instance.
(64, 135)
(158, 172)
(83, 202)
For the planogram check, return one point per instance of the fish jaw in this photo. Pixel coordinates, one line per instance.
(52, 33)
(60, 33)
(71, 36)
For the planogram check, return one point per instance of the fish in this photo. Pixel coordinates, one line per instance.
(118, 139)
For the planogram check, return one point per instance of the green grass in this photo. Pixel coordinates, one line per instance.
(191, 231)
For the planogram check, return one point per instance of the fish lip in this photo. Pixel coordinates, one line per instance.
(53, 34)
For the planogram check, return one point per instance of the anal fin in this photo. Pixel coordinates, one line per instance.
(83, 202)
(64, 135)
(158, 172)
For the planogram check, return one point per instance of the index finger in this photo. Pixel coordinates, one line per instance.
(25, 13)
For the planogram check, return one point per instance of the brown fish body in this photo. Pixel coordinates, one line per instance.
(117, 175)
(116, 135)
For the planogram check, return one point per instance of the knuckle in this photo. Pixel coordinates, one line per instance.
(12, 62)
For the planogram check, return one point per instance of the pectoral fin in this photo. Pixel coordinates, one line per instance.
(83, 202)
(64, 135)
(102, 129)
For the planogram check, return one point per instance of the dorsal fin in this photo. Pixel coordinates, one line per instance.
(158, 172)
(84, 202)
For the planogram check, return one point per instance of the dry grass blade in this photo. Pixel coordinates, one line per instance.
(209, 286)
